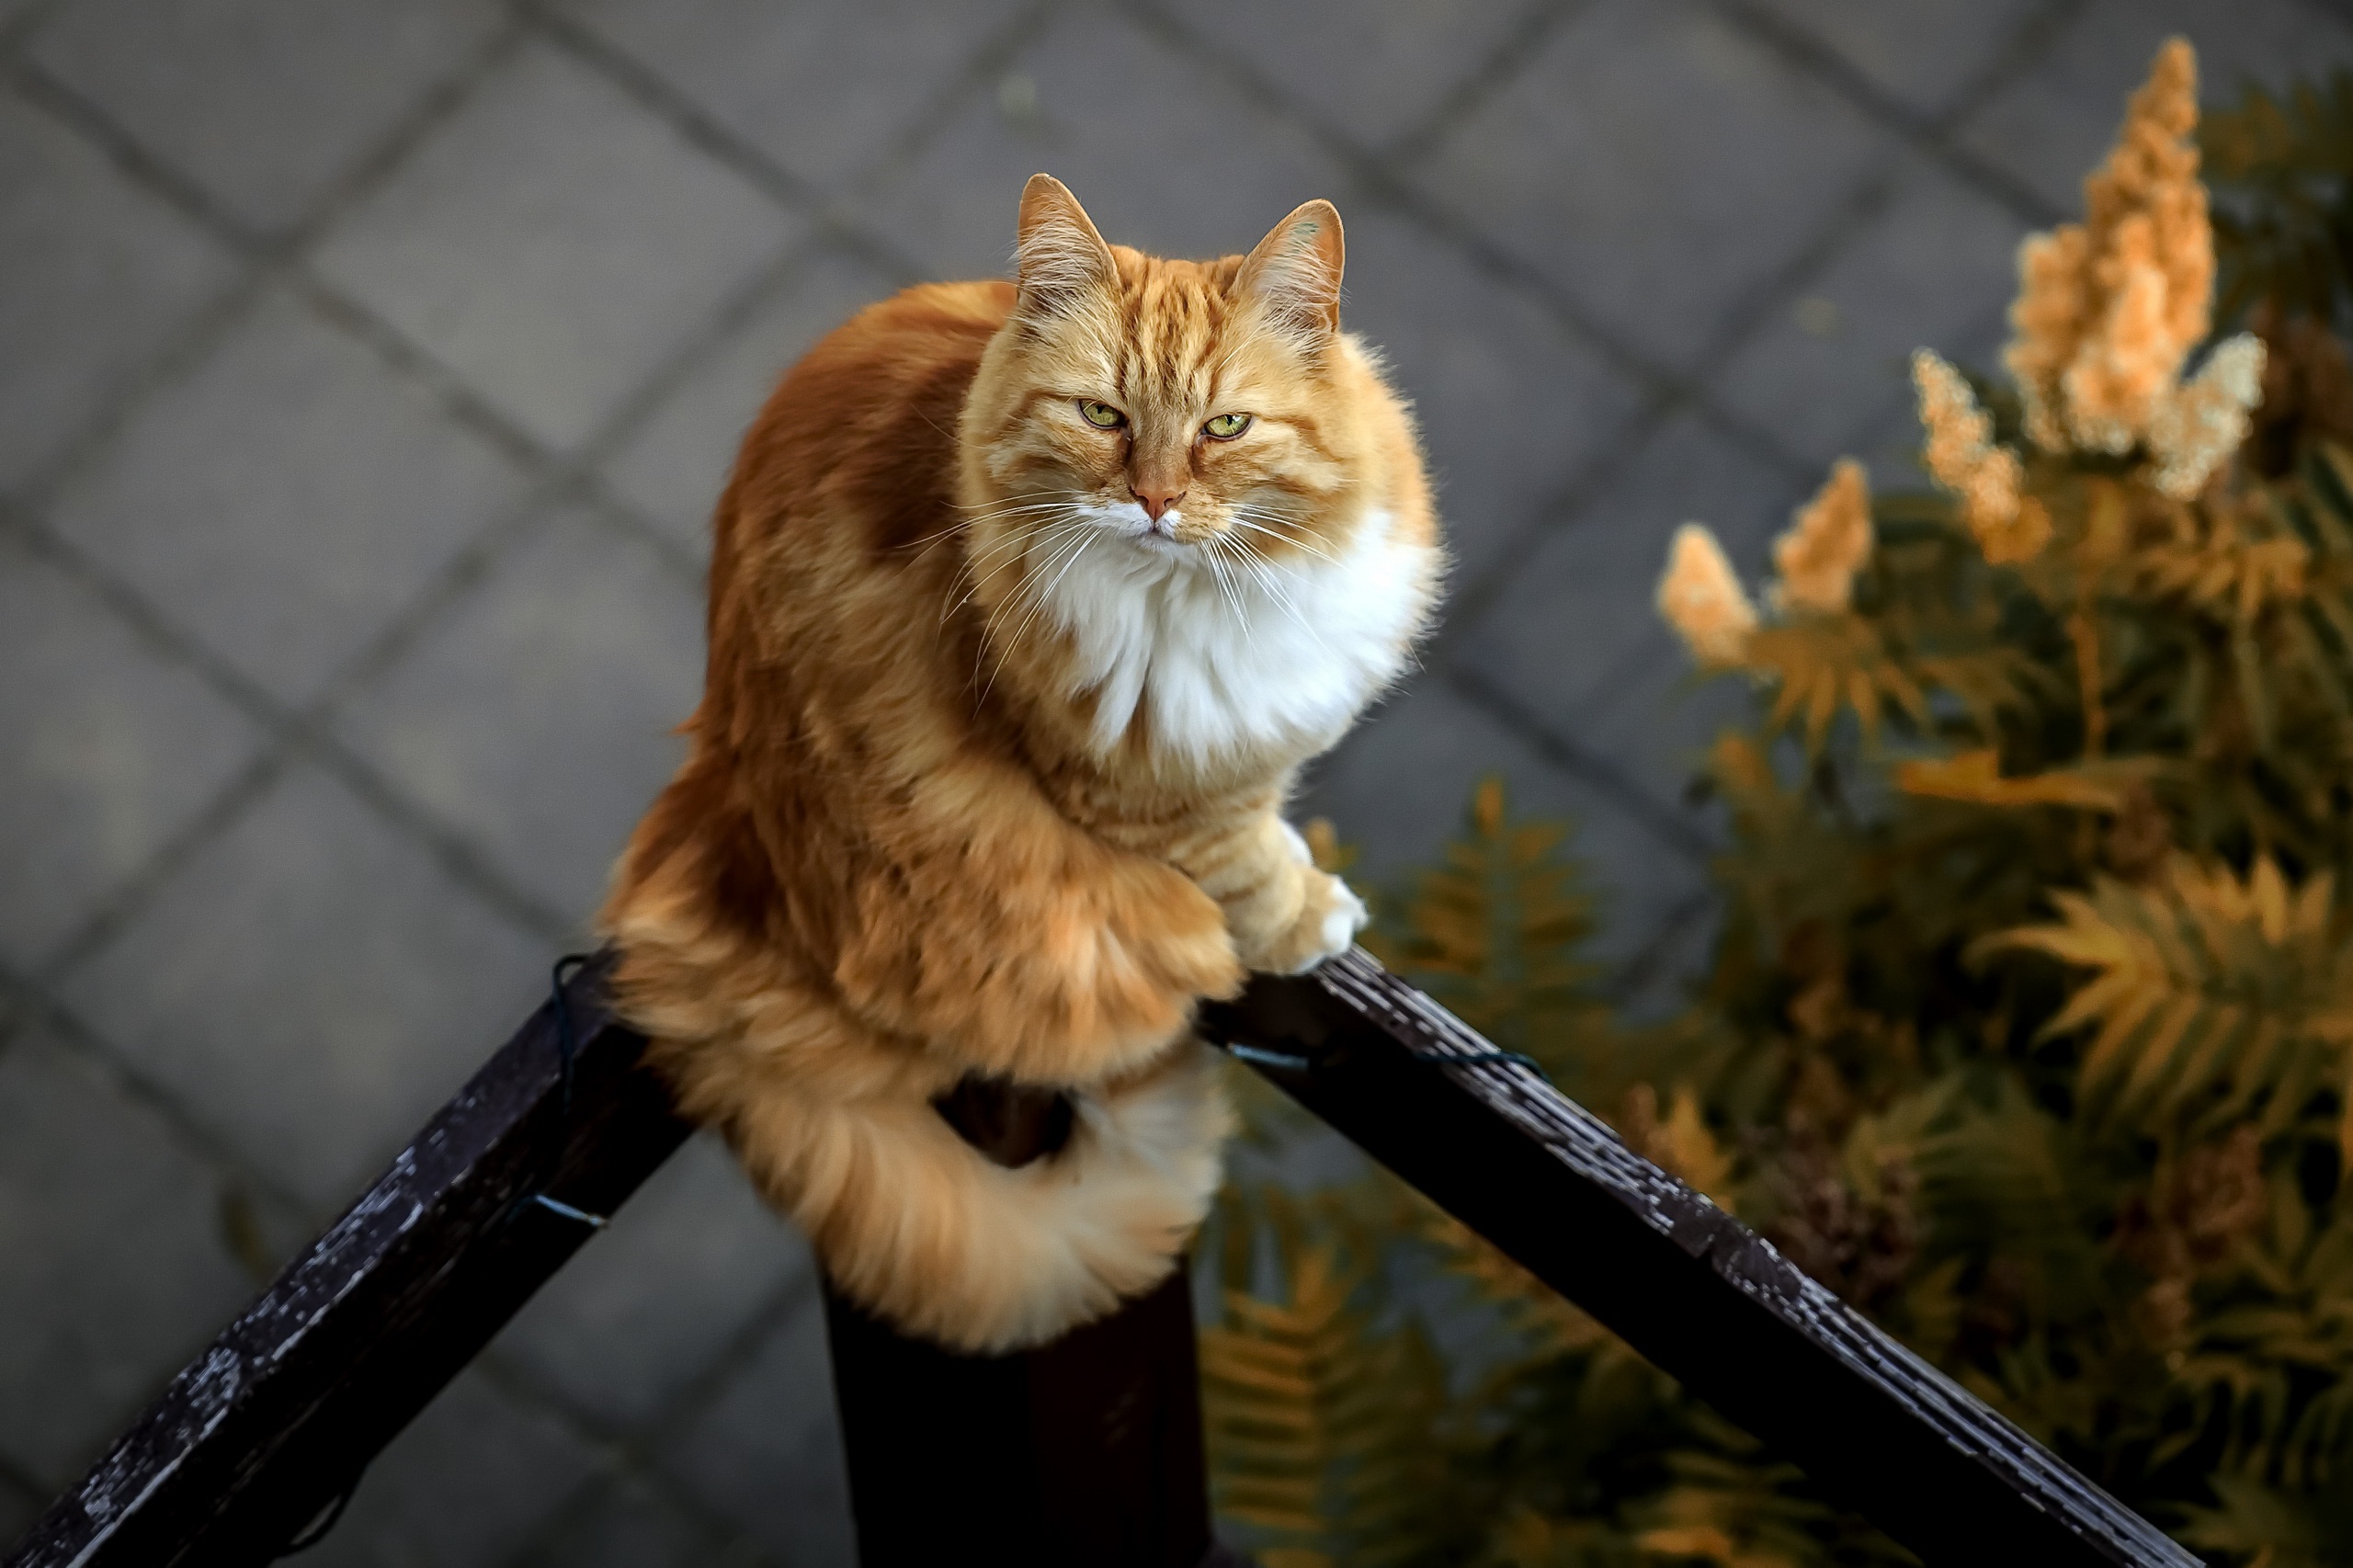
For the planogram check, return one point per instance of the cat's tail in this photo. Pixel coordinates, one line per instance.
(917, 1226)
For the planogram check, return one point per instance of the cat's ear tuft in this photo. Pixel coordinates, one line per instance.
(1060, 259)
(1294, 273)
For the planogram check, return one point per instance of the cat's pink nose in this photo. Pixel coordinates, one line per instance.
(1155, 501)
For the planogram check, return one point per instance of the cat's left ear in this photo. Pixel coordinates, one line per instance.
(1294, 273)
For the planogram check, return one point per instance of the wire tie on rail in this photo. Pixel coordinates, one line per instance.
(1274, 1059)
(557, 1205)
(567, 1051)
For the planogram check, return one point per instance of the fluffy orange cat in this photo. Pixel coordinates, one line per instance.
(1027, 603)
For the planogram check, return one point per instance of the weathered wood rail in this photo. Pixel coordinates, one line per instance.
(1094, 1443)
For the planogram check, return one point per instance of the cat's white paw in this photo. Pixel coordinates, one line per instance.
(1347, 916)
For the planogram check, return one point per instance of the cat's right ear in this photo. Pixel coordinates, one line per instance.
(1060, 259)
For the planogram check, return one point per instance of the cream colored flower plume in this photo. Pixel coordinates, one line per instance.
(2010, 525)
(1701, 598)
(2204, 420)
(1828, 541)
(2109, 309)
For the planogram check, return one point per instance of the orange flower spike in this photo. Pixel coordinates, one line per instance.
(2109, 309)
(1829, 540)
(2010, 527)
(1701, 598)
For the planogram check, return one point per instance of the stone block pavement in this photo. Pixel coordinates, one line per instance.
(367, 367)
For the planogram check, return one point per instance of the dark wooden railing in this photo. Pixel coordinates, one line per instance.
(1087, 1452)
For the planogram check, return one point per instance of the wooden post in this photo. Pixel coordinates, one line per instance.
(1085, 1453)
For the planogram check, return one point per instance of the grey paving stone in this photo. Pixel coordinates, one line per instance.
(1190, 167)
(110, 752)
(1667, 978)
(467, 1484)
(768, 1454)
(1377, 75)
(1655, 722)
(1399, 786)
(552, 242)
(2053, 124)
(537, 715)
(13, 13)
(1923, 53)
(655, 1298)
(1510, 403)
(1936, 269)
(1890, 445)
(312, 984)
(629, 1525)
(1578, 620)
(20, 1504)
(117, 1272)
(99, 273)
(825, 90)
(1655, 162)
(262, 102)
(674, 464)
(287, 496)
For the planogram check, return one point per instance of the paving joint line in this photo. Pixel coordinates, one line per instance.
(634, 1447)
(2334, 10)
(1931, 135)
(16, 1476)
(1510, 56)
(987, 66)
(1464, 607)
(610, 1447)
(1653, 962)
(710, 137)
(45, 1011)
(120, 904)
(1595, 772)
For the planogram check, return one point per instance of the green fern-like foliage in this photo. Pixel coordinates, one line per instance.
(1324, 1423)
(1495, 932)
(2211, 1002)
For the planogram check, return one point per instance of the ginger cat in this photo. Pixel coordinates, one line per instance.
(1027, 603)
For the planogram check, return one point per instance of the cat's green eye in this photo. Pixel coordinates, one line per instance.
(1226, 426)
(1102, 415)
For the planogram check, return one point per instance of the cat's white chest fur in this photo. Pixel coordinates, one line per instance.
(1247, 655)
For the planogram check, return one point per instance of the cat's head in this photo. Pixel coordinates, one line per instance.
(1184, 411)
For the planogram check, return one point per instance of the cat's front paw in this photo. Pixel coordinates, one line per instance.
(1329, 921)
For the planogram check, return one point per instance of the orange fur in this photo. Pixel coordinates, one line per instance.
(917, 836)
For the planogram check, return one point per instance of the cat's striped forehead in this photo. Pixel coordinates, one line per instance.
(1173, 329)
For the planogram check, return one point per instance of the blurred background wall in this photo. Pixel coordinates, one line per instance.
(367, 366)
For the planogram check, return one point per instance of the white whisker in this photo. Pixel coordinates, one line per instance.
(1011, 550)
(1038, 603)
